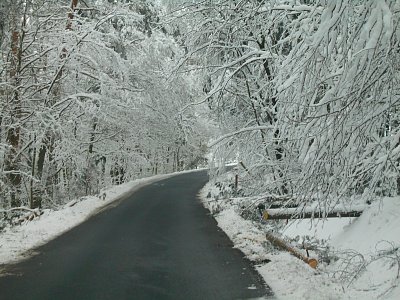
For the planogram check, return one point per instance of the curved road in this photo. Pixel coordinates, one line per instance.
(157, 243)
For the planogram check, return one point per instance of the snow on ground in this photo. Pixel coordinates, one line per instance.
(17, 242)
(364, 251)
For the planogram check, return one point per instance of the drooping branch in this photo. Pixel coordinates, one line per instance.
(247, 129)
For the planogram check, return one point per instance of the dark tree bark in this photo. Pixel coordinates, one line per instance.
(13, 136)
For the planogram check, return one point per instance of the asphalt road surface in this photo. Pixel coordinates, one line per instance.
(158, 243)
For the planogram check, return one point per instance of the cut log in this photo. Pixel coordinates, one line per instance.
(294, 213)
(312, 262)
(283, 205)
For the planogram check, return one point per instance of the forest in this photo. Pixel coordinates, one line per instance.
(291, 107)
(88, 98)
(305, 94)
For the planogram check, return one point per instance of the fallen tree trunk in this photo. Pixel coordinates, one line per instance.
(20, 217)
(312, 262)
(294, 213)
(21, 208)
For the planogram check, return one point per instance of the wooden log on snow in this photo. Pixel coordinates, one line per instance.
(31, 213)
(32, 210)
(283, 205)
(294, 213)
(312, 262)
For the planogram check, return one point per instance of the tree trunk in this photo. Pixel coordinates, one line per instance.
(292, 250)
(90, 171)
(289, 214)
(74, 4)
(12, 159)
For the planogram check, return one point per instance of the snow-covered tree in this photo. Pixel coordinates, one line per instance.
(306, 92)
(87, 99)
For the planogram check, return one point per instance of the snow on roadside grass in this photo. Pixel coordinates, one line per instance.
(243, 234)
(380, 222)
(288, 277)
(375, 237)
(367, 249)
(15, 242)
(364, 249)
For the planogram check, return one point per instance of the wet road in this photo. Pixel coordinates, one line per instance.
(157, 243)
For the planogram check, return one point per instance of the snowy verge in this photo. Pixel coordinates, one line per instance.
(17, 242)
(365, 260)
(288, 277)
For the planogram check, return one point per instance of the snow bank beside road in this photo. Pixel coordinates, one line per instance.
(15, 242)
(288, 277)
(380, 222)
(364, 251)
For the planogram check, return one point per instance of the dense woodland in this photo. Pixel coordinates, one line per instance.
(88, 99)
(306, 95)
